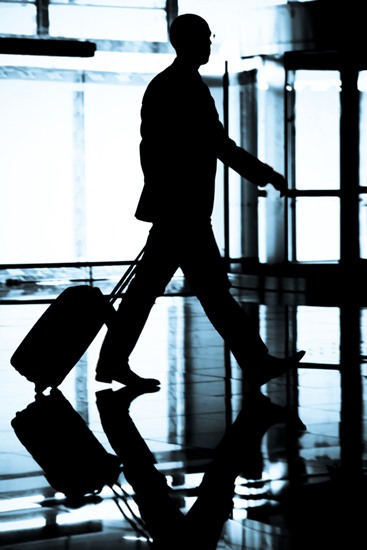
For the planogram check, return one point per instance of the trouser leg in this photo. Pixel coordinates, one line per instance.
(153, 273)
(204, 268)
(235, 326)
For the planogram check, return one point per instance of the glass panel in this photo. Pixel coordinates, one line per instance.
(262, 229)
(363, 325)
(113, 174)
(317, 229)
(108, 23)
(317, 129)
(363, 225)
(362, 86)
(36, 218)
(57, 203)
(318, 333)
(218, 212)
(235, 182)
(134, 4)
(18, 18)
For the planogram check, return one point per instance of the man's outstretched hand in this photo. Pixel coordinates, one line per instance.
(279, 183)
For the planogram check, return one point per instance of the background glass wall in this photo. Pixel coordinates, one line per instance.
(71, 175)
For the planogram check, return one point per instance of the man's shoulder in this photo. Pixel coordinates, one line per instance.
(162, 86)
(163, 78)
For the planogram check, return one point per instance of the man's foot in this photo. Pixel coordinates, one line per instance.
(273, 367)
(124, 375)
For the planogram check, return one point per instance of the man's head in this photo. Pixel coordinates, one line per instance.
(190, 36)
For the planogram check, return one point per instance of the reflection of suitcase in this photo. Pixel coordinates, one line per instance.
(73, 460)
(64, 332)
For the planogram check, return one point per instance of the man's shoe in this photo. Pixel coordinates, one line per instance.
(124, 375)
(273, 367)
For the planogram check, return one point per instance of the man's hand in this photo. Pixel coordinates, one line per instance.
(279, 183)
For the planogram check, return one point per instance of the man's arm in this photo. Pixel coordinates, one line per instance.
(249, 166)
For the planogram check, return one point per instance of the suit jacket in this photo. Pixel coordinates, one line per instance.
(182, 138)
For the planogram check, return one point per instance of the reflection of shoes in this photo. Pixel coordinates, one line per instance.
(124, 396)
(272, 414)
(282, 415)
(274, 367)
(264, 413)
(124, 375)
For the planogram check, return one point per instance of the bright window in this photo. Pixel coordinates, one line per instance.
(71, 174)
(317, 229)
(36, 218)
(317, 112)
(18, 18)
(107, 22)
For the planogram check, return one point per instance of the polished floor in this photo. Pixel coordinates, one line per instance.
(204, 467)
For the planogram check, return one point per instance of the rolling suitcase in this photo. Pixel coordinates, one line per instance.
(63, 333)
(73, 460)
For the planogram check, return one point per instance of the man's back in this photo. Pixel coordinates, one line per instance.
(180, 129)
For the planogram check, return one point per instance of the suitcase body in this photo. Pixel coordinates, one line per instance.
(62, 334)
(73, 460)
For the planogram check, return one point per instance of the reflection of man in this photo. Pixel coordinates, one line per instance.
(182, 138)
(238, 452)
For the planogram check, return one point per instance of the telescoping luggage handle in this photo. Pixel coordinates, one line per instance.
(125, 279)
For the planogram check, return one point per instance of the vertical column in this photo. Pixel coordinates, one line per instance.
(172, 12)
(351, 430)
(81, 369)
(349, 168)
(225, 167)
(290, 142)
(351, 388)
(249, 140)
(271, 140)
(43, 23)
(79, 172)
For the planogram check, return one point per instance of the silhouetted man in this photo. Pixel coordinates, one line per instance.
(182, 138)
